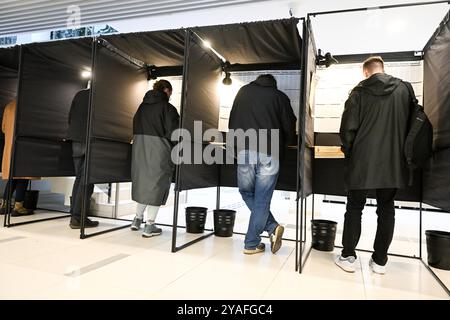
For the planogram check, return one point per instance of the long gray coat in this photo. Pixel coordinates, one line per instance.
(373, 132)
(151, 167)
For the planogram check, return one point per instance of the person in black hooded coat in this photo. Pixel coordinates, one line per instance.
(373, 132)
(151, 166)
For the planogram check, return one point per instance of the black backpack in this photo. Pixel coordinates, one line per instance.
(419, 141)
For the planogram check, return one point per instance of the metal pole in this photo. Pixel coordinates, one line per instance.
(302, 132)
(420, 230)
(380, 7)
(306, 214)
(301, 234)
(109, 192)
(297, 187)
(187, 44)
(85, 200)
(117, 201)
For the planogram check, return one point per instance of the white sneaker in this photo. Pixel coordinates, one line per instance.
(347, 264)
(376, 268)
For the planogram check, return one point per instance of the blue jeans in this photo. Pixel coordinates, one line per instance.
(257, 177)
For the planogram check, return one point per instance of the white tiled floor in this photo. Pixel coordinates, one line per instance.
(35, 264)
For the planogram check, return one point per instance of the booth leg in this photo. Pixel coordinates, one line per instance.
(420, 230)
(296, 233)
(116, 201)
(301, 237)
(218, 198)
(175, 221)
(304, 225)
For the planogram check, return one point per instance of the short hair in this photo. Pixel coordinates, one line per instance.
(268, 77)
(161, 85)
(372, 62)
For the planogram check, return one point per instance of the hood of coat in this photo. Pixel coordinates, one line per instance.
(379, 84)
(264, 82)
(152, 97)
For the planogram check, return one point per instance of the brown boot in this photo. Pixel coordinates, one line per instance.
(19, 210)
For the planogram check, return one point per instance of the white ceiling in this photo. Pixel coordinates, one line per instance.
(32, 15)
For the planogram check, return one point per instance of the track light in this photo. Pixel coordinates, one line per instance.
(326, 60)
(225, 68)
(86, 74)
(227, 80)
(151, 73)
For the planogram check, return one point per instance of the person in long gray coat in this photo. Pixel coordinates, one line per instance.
(373, 132)
(151, 166)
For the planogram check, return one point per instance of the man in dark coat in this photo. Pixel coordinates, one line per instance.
(152, 167)
(261, 106)
(373, 132)
(77, 134)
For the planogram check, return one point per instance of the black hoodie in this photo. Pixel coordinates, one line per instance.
(260, 105)
(373, 132)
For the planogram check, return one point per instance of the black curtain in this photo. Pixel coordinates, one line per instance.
(50, 78)
(264, 43)
(158, 48)
(201, 103)
(436, 93)
(118, 89)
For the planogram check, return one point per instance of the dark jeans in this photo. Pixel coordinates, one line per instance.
(356, 200)
(79, 152)
(19, 186)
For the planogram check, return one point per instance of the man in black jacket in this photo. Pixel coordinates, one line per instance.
(264, 111)
(373, 131)
(78, 117)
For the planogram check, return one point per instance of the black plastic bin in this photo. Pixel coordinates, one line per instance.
(323, 234)
(438, 248)
(195, 219)
(30, 200)
(224, 222)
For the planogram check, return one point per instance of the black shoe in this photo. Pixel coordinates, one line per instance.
(76, 224)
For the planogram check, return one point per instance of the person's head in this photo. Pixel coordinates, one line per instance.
(267, 79)
(163, 86)
(373, 65)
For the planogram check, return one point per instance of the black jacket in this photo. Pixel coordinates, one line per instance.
(78, 116)
(151, 165)
(373, 131)
(155, 116)
(259, 105)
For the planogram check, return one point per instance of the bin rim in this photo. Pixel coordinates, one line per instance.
(224, 211)
(438, 233)
(196, 208)
(324, 221)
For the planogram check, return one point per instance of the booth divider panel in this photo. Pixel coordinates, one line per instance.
(436, 93)
(201, 104)
(110, 161)
(50, 78)
(119, 89)
(117, 93)
(436, 186)
(43, 158)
